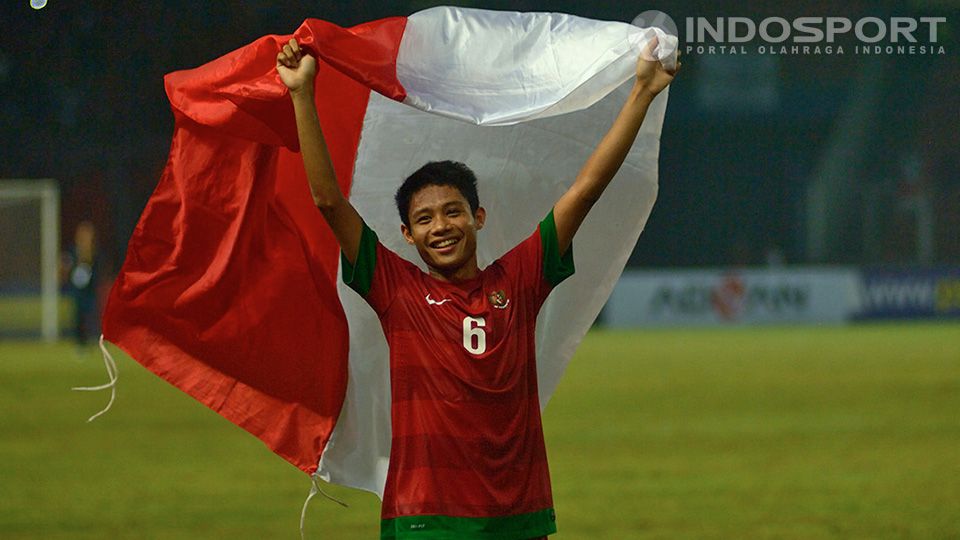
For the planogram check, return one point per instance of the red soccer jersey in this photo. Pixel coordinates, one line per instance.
(467, 457)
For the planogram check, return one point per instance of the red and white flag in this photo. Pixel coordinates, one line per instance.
(230, 289)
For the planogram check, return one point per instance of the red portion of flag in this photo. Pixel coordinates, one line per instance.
(229, 290)
(366, 52)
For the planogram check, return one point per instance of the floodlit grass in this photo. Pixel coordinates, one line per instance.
(773, 433)
(19, 314)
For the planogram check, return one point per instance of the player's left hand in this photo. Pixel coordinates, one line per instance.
(651, 75)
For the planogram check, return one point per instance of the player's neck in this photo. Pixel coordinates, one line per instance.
(469, 270)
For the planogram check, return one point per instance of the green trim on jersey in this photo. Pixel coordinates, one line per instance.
(555, 268)
(360, 276)
(532, 525)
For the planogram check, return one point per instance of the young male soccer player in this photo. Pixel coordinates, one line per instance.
(467, 457)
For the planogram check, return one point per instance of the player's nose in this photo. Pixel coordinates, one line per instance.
(441, 225)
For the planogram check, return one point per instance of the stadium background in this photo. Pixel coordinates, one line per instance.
(766, 161)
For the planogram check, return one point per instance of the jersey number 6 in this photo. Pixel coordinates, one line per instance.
(474, 338)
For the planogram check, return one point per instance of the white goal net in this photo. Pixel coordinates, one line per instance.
(29, 258)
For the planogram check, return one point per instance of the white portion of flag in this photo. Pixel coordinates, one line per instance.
(499, 67)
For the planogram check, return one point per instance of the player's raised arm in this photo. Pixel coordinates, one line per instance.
(603, 164)
(297, 70)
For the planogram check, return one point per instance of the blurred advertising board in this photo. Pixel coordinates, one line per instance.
(707, 297)
(909, 294)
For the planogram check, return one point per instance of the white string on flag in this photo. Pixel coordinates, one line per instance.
(112, 372)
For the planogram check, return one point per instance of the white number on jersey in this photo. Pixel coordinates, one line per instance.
(473, 332)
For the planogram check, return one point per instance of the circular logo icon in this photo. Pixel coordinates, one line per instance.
(656, 19)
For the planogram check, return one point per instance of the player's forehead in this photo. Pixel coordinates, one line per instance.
(434, 197)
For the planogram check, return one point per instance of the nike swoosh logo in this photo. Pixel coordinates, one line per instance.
(433, 302)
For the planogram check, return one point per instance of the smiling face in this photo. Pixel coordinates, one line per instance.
(444, 231)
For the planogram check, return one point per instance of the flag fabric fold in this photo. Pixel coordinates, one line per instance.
(230, 289)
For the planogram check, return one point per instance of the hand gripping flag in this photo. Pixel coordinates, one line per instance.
(230, 288)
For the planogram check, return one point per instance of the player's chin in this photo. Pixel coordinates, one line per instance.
(448, 261)
(445, 262)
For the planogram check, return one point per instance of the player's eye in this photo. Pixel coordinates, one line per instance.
(423, 219)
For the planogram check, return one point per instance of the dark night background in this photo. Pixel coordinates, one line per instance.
(746, 141)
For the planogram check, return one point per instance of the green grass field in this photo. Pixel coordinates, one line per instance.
(21, 314)
(754, 433)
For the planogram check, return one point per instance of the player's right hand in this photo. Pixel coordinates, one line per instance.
(296, 68)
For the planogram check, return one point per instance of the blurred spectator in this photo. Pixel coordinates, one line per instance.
(83, 270)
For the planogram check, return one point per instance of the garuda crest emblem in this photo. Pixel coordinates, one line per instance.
(498, 299)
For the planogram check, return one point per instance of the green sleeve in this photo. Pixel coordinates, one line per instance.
(556, 267)
(359, 276)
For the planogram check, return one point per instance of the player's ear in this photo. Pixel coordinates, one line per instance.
(479, 217)
(406, 234)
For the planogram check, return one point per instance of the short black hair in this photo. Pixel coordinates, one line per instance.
(438, 173)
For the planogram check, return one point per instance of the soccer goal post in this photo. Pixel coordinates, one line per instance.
(30, 244)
